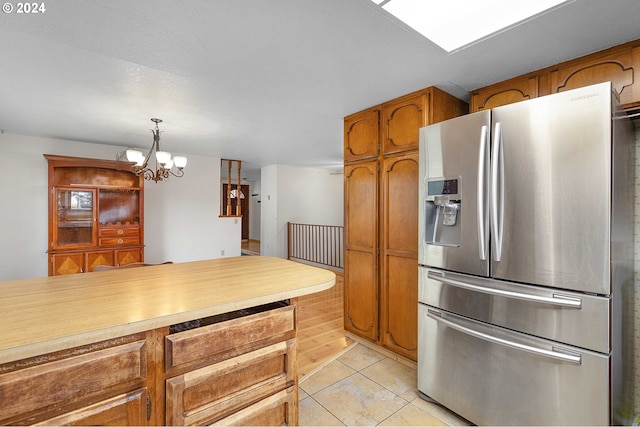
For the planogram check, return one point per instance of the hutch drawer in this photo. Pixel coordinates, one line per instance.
(119, 232)
(120, 241)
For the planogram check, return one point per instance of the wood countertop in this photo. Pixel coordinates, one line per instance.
(48, 314)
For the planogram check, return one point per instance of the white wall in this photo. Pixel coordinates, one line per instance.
(181, 216)
(255, 206)
(297, 194)
(269, 210)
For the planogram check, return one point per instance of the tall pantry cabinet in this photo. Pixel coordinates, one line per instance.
(381, 215)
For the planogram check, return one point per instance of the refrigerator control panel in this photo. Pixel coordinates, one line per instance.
(438, 187)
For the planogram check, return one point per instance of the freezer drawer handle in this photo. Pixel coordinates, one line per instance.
(561, 300)
(577, 359)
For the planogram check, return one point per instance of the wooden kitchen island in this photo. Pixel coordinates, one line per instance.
(205, 342)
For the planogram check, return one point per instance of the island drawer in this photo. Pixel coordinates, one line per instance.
(280, 409)
(37, 390)
(219, 341)
(214, 392)
(127, 409)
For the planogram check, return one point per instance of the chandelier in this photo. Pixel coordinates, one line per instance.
(163, 163)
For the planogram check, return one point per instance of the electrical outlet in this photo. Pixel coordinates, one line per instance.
(222, 252)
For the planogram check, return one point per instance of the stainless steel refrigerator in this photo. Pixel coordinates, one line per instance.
(526, 262)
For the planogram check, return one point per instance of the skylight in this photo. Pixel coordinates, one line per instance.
(453, 24)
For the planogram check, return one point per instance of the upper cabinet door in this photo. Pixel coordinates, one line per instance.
(514, 90)
(400, 122)
(620, 65)
(361, 135)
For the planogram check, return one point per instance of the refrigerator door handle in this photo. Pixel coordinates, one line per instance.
(565, 357)
(497, 192)
(482, 206)
(557, 299)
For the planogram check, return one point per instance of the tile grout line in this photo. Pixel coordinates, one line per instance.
(333, 359)
(359, 371)
(329, 385)
(391, 415)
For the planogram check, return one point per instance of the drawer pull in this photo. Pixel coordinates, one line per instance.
(556, 299)
(120, 241)
(121, 231)
(554, 353)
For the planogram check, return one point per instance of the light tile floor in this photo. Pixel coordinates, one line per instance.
(363, 387)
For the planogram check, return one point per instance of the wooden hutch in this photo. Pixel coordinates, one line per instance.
(96, 214)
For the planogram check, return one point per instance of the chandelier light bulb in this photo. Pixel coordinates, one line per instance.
(180, 161)
(134, 155)
(162, 159)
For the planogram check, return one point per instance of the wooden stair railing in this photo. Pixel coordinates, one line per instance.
(316, 244)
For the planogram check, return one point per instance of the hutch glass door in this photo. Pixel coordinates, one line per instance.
(75, 217)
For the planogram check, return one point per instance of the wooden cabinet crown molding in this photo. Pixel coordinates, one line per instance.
(68, 161)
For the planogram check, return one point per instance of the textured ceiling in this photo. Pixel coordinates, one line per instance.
(266, 82)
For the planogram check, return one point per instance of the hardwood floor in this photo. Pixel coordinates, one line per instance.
(321, 334)
(250, 247)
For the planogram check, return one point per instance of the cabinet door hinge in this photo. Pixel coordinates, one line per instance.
(378, 251)
(149, 406)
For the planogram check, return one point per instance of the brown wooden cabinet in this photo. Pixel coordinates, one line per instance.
(361, 135)
(381, 178)
(399, 302)
(123, 410)
(513, 90)
(100, 384)
(619, 64)
(400, 120)
(233, 371)
(237, 368)
(361, 248)
(96, 214)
